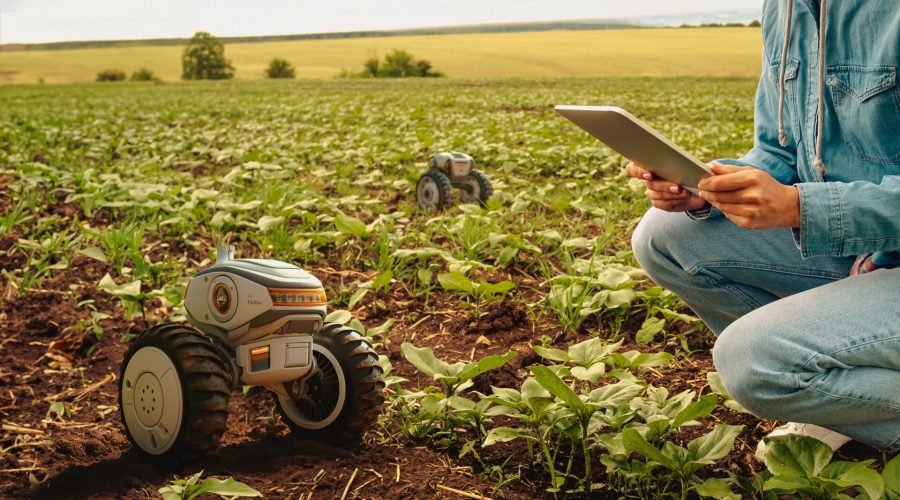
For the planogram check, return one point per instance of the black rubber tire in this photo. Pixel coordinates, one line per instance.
(484, 184)
(365, 385)
(206, 386)
(445, 189)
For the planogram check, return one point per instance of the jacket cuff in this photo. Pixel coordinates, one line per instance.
(821, 219)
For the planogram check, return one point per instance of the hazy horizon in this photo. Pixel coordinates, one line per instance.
(44, 21)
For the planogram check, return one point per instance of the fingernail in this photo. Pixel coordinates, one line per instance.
(674, 189)
(648, 176)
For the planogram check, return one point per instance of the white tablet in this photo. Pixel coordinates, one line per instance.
(636, 141)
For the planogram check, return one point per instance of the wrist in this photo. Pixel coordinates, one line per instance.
(793, 194)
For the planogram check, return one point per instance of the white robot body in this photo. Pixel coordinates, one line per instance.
(265, 310)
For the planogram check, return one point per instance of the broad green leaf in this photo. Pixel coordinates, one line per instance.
(716, 488)
(228, 488)
(486, 364)
(358, 295)
(591, 374)
(715, 383)
(424, 275)
(531, 388)
(891, 474)
(613, 278)
(616, 394)
(636, 359)
(858, 474)
(94, 253)
(698, 409)
(502, 435)
(267, 222)
(456, 282)
(380, 329)
(557, 387)
(491, 289)
(619, 298)
(715, 444)
(551, 353)
(107, 284)
(793, 455)
(339, 316)
(634, 442)
(382, 280)
(649, 329)
(788, 484)
(424, 360)
(591, 351)
(461, 403)
(577, 243)
(350, 225)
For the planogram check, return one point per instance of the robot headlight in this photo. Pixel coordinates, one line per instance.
(297, 297)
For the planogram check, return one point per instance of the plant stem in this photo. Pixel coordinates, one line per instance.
(587, 455)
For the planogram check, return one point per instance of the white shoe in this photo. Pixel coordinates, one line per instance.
(831, 438)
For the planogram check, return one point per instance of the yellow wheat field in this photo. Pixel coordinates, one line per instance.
(633, 52)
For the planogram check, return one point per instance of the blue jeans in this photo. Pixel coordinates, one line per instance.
(797, 339)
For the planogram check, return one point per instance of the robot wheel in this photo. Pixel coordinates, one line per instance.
(340, 400)
(173, 392)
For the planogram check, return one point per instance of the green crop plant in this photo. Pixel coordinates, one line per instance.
(443, 405)
(45, 255)
(588, 360)
(481, 291)
(378, 284)
(681, 464)
(584, 407)
(531, 408)
(802, 466)
(192, 487)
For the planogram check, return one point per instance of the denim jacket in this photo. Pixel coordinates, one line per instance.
(850, 202)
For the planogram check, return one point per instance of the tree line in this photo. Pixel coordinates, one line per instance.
(204, 59)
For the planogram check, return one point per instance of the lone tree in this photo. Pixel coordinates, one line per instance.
(280, 68)
(204, 59)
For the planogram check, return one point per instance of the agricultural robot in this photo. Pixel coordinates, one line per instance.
(258, 322)
(452, 170)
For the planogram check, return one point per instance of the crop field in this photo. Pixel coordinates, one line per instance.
(526, 354)
(644, 52)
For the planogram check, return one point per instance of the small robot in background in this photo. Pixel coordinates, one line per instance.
(452, 170)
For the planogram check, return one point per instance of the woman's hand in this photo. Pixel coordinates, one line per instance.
(663, 194)
(751, 198)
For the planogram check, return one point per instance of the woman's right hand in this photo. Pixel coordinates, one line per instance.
(663, 194)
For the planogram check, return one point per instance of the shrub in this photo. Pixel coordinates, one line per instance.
(398, 64)
(111, 75)
(280, 68)
(204, 59)
(144, 75)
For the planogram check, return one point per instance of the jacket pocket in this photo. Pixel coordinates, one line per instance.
(867, 103)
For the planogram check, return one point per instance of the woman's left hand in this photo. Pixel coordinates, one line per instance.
(751, 198)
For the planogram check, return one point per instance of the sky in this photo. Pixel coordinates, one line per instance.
(34, 21)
